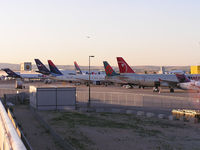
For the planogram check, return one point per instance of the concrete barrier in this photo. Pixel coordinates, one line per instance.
(9, 139)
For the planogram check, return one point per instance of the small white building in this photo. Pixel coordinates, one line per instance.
(52, 98)
(26, 66)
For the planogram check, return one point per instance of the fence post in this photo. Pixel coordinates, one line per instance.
(104, 98)
(126, 100)
(118, 98)
(142, 100)
(111, 98)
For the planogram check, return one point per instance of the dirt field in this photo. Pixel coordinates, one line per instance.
(38, 137)
(106, 131)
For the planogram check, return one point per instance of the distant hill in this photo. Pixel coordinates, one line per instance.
(11, 66)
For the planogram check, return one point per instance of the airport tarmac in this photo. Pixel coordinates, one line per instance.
(116, 96)
(10, 85)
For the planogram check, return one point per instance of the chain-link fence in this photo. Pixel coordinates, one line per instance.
(129, 99)
(142, 100)
(7, 91)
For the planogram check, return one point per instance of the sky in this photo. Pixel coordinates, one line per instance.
(143, 32)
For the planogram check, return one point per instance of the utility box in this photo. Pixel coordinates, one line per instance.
(52, 98)
(19, 84)
(195, 69)
(26, 66)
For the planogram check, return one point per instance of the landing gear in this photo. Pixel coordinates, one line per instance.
(129, 86)
(156, 89)
(106, 84)
(171, 90)
(141, 87)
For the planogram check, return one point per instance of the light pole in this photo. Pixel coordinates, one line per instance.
(89, 83)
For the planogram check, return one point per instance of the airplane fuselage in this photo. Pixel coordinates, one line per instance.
(150, 80)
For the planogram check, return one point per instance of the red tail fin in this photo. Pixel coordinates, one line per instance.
(77, 68)
(123, 66)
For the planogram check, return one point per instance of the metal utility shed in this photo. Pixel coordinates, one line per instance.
(52, 98)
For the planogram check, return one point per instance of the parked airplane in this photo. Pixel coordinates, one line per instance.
(13, 74)
(123, 66)
(176, 72)
(54, 72)
(42, 68)
(57, 75)
(145, 80)
(77, 68)
(111, 75)
(95, 77)
(92, 72)
(187, 84)
(162, 71)
(148, 80)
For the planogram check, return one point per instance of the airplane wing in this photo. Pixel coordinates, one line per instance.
(170, 83)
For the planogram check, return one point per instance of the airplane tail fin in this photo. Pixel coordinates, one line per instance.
(53, 68)
(182, 78)
(11, 73)
(109, 70)
(42, 68)
(77, 68)
(123, 66)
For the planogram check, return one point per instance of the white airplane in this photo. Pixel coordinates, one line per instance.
(58, 75)
(148, 80)
(185, 83)
(176, 72)
(92, 72)
(162, 71)
(111, 75)
(13, 74)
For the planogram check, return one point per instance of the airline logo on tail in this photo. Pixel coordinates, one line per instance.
(78, 70)
(53, 68)
(42, 68)
(108, 69)
(123, 66)
(11, 73)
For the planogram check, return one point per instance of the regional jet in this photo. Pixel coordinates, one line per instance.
(148, 80)
(13, 74)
